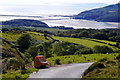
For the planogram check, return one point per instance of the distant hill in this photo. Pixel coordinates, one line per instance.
(104, 14)
(25, 22)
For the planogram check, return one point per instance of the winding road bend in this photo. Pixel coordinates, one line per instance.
(63, 71)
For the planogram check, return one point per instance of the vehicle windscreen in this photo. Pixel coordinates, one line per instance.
(42, 59)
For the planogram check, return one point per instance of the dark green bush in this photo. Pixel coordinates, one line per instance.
(103, 60)
(100, 36)
(69, 62)
(118, 57)
(84, 51)
(119, 65)
(5, 29)
(102, 49)
(13, 63)
(23, 71)
(57, 61)
(24, 42)
(111, 62)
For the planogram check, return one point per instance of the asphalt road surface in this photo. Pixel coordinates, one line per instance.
(63, 71)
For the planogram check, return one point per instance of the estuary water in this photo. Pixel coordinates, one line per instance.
(60, 20)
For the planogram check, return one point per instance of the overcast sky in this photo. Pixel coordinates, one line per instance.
(34, 2)
(50, 6)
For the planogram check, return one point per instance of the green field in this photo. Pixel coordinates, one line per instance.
(84, 42)
(14, 36)
(105, 41)
(80, 58)
(39, 36)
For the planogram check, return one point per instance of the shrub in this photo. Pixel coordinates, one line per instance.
(14, 63)
(28, 58)
(69, 62)
(4, 60)
(117, 51)
(4, 68)
(119, 65)
(84, 51)
(94, 66)
(118, 57)
(111, 62)
(5, 29)
(102, 49)
(57, 61)
(23, 71)
(103, 60)
(17, 76)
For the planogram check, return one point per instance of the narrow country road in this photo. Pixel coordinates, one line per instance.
(63, 71)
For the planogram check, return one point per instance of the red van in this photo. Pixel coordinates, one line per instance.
(40, 61)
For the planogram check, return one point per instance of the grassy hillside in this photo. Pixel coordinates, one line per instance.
(10, 36)
(14, 35)
(104, 14)
(31, 24)
(105, 68)
(24, 22)
(85, 42)
(52, 49)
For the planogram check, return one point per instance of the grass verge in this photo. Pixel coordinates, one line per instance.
(68, 59)
(104, 68)
(18, 74)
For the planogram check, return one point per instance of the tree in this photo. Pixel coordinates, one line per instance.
(71, 49)
(33, 50)
(101, 36)
(45, 48)
(103, 49)
(83, 34)
(24, 42)
(84, 51)
(57, 49)
(74, 35)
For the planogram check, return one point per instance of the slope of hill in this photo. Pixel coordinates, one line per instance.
(104, 14)
(25, 22)
(30, 24)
